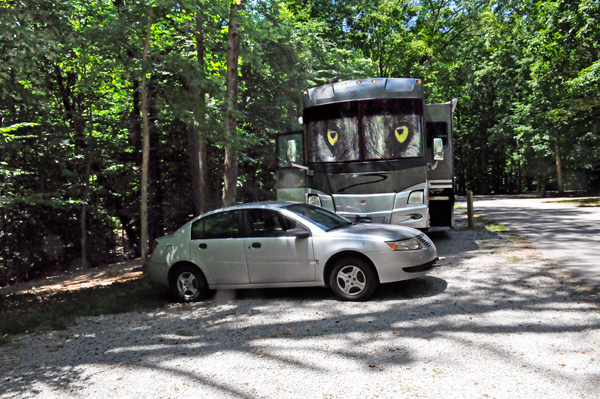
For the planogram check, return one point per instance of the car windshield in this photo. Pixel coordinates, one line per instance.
(321, 217)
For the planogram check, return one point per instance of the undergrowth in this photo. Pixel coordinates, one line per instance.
(581, 202)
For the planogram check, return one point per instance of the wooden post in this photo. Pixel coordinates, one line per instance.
(471, 224)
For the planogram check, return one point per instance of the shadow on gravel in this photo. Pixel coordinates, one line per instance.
(422, 287)
(424, 309)
(448, 244)
(417, 288)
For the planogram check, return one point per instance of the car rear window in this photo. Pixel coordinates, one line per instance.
(217, 225)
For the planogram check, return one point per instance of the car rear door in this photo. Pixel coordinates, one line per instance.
(270, 255)
(218, 247)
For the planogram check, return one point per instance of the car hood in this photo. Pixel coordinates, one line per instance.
(386, 231)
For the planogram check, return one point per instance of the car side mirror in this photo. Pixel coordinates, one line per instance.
(298, 233)
(438, 149)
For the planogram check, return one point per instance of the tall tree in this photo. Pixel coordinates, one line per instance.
(196, 129)
(230, 166)
(145, 141)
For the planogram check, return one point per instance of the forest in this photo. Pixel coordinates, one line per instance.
(120, 120)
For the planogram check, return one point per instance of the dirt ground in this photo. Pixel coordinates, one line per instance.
(78, 280)
(40, 296)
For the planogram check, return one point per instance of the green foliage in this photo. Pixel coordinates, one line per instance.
(495, 228)
(581, 202)
(4, 131)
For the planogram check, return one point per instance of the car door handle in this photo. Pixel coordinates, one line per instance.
(203, 246)
(256, 245)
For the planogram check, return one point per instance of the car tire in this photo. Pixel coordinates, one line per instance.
(189, 284)
(353, 279)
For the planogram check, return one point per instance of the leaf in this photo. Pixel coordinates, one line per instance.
(17, 126)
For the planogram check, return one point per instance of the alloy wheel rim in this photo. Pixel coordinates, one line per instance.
(351, 280)
(187, 285)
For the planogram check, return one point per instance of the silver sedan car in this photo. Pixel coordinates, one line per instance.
(287, 244)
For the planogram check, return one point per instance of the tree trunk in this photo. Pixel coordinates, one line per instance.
(202, 139)
(559, 167)
(233, 48)
(86, 193)
(193, 141)
(196, 133)
(519, 177)
(145, 146)
(459, 166)
(203, 163)
(4, 251)
(155, 186)
(136, 128)
(483, 161)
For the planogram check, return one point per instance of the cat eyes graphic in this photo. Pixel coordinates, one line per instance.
(401, 133)
(332, 137)
(385, 130)
(339, 144)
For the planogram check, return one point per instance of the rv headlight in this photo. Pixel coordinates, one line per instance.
(416, 197)
(314, 199)
(405, 245)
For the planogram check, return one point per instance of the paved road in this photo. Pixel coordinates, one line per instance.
(567, 234)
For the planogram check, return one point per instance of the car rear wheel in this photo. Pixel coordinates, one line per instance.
(353, 279)
(190, 284)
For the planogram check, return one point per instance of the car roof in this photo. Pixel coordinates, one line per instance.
(254, 205)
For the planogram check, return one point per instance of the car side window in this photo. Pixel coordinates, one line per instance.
(267, 223)
(217, 225)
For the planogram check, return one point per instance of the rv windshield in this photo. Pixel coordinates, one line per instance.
(387, 129)
(333, 133)
(392, 129)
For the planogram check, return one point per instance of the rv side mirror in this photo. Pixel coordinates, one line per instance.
(438, 149)
(292, 151)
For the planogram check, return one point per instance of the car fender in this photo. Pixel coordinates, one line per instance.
(326, 250)
(183, 262)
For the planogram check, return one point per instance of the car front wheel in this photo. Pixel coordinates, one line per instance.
(353, 279)
(189, 284)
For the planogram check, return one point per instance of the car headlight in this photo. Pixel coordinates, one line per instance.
(405, 245)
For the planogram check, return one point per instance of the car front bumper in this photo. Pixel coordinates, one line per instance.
(403, 265)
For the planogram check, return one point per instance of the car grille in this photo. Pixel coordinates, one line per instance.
(423, 239)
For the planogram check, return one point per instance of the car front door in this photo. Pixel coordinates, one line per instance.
(270, 255)
(218, 248)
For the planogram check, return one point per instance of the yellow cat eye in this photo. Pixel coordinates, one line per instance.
(401, 137)
(332, 137)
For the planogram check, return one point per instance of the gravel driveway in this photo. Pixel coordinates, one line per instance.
(495, 321)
